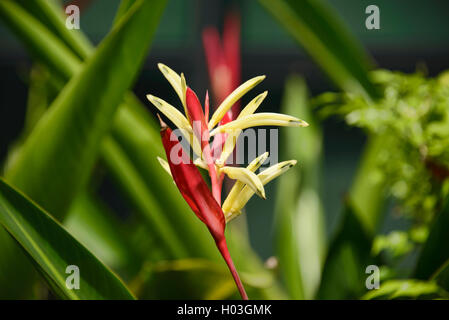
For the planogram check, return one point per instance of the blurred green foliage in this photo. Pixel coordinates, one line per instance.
(84, 128)
(413, 109)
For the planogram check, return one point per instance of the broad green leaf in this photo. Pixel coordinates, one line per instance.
(319, 30)
(16, 273)
(64, 144)
(122, 9)
(97, 229)
(53, 249)
(435, 251)
(300, 236)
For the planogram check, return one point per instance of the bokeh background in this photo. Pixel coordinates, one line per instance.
(413, 34)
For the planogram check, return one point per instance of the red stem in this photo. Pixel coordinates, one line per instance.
(223, 248)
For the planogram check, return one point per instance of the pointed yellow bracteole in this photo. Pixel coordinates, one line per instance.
(232, 99)
(234, 209)
(260, 119)
(247, 182)
(238, 185)
(231, 141)
(245, 176)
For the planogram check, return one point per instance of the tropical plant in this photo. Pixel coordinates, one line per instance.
(85, 129)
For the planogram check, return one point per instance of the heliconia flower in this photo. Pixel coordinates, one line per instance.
(197, 128)
(198, 196)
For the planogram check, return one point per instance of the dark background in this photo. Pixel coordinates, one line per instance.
(413, 33)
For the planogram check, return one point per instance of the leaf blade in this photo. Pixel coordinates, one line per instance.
(65, 142)
(323, 35)
(52, 248)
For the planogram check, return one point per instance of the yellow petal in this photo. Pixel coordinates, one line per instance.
(170, 112)
(257, 162)
(232, 99)
(174, 79)
(251, 107)
(246, 193)
(183, 92)
(275, 171)
(231, 140)
(228, 147)
(238, 186)
(164, 164)
(261, 119)
(247, 177)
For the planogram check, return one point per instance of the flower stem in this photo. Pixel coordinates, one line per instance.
(223, 248)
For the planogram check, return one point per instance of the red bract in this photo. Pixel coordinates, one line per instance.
(196, 116)
(195, 191)
(199, 125)
(223, 61)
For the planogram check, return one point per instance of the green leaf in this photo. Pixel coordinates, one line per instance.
(53, 53)
(367, 193)
(363, 212)
(299, 230)
(317, 27)
(64, 144)
(435, 252)
(97, 229)
(122, 9)
(441, 276)
(54, 17)
(406, 289)
(53, 249)
(349, 254)
(39, 40)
